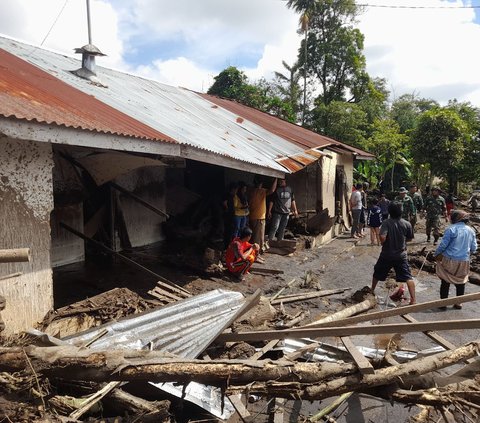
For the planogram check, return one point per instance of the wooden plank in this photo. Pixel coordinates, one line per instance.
(175, 288)
(351, 330)
(402, 310)
(266, 270)
(139, 200)
(308, 296)
(440, 340)
(361, 361)
(265, 349)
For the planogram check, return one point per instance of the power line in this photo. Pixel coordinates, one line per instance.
(385, 6)
(54, 22)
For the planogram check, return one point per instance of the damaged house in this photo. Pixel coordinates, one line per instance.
(114, 156)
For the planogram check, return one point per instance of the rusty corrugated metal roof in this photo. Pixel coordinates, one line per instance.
(27, 92)
(294, 133)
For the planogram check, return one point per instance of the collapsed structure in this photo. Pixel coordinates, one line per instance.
(113, 161)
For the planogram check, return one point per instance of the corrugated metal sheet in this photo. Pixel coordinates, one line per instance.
(181, 114)
(184, 328)
(294, 133)
(27, 92)
(299, 161)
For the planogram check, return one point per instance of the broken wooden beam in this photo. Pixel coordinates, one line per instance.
(139, 200)
(307, 296)
(402, 310)
(364, 366)
(15, 255)
(314, 332)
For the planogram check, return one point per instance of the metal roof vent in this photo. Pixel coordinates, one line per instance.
(89, 51)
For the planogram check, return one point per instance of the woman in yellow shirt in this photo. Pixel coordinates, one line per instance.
(240, 205)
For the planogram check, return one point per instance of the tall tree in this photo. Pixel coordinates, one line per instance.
(306, 9)
(440, 140)
(407, 108)
(287, 87)
(334, 47)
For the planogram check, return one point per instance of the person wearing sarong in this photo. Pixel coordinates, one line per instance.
(453, 255)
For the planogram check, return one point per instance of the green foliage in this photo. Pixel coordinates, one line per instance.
(407, 108)
(340, 120)
(440, 139)
(287, 88)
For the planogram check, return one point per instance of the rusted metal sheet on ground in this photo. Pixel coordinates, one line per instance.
(184, 328)
(27, 92)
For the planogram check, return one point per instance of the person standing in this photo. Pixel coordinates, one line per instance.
(279, 209)
(356, 207)
(395, 232)
(450, 203)
(408, 209)
(417, 202)
(383, 204)
(258, 210)
(241, 211)
(453, 255)
(229, 214)
(434, 207)
(374, 220)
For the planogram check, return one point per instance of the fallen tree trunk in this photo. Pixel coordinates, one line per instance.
(15, 255)
(346, 312)
(402, 374)
(126, 365)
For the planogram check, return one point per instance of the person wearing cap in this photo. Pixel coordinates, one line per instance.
(408, 208)
(453, 255)
(417, 203)
(241, 254)
(258, 210)
(434, 207)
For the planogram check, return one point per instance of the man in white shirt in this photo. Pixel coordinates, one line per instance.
(356, 207)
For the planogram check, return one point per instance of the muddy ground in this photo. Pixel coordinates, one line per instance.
(342, 263)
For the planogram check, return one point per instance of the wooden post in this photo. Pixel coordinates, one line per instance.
(15, 255)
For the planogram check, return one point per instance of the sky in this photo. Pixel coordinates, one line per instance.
(428, 52)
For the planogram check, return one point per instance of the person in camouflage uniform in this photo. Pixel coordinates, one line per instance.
(408, 208)
(417, 202)
(434, 207)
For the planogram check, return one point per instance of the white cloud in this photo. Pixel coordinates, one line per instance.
(180, 72)
(430, 52)
(424, 51)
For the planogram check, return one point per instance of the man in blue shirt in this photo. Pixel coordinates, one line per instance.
(453, 255)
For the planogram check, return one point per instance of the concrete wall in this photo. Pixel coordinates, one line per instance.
(144, 227)
(25, 205)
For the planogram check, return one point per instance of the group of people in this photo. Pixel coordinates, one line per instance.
(246, 213)
(392, 225)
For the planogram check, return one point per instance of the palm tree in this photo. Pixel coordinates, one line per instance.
(306, 8)
(288, 86)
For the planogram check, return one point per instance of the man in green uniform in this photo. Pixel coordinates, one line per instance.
(434, 207)
(408, 209)
(417, 202)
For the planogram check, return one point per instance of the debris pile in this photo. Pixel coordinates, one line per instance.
(216, 350)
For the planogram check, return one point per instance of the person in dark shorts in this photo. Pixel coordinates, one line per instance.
(395, 232)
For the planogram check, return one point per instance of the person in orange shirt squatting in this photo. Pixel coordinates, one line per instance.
(241, 254)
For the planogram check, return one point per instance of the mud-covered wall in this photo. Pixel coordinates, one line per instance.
(26, 200)
(144, 227)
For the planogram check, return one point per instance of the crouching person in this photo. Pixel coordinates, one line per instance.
(241, 254)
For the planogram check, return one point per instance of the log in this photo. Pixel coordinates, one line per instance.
(402, 374)
(350, 330)
(71, 363)
(150, 411)
(402, 310)
(346, 312)
(15, 255)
